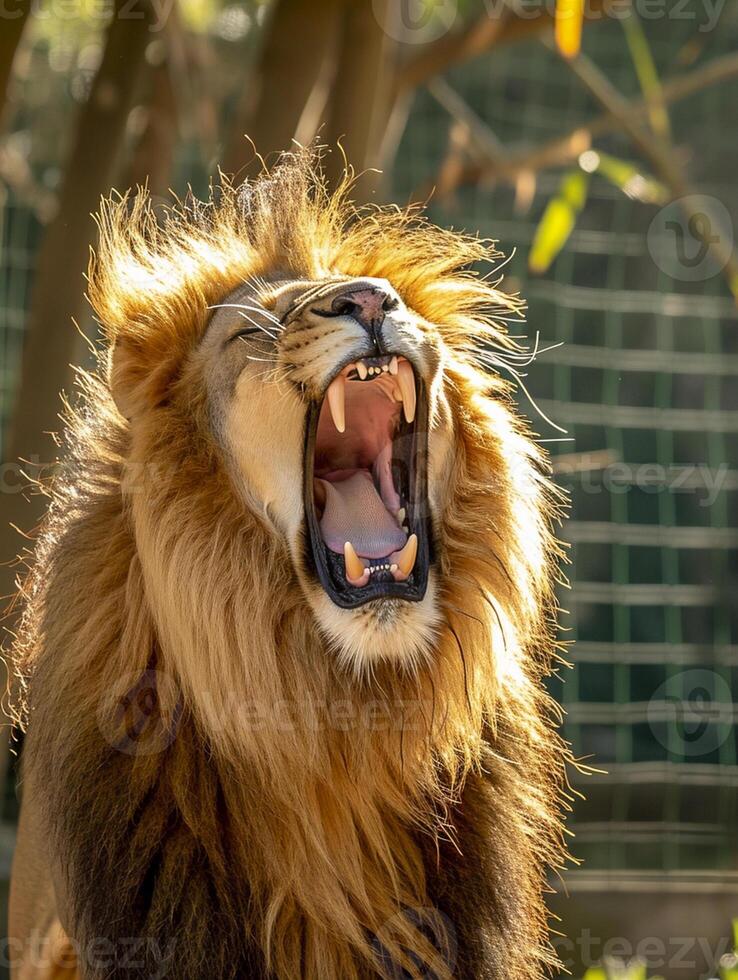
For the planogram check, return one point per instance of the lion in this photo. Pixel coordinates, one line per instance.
(291, 610)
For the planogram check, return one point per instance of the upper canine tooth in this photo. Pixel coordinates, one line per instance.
(406, 558)
(361, 368)
(336, 402)
(393, 366)
(406, 381)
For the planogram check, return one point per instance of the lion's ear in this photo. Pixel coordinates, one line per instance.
(141, 372)
(119, 379)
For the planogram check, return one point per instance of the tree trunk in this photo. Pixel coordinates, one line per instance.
(51, 341)
(13, 23)
(358, 113)
(300, 37)
(152, 157)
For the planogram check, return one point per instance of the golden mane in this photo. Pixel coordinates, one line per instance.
(333, 794)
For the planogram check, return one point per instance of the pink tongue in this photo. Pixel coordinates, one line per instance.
(354, 512)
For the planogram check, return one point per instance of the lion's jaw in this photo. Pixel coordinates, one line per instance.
(336, 428)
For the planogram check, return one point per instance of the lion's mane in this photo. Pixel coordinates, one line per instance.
(289, 848)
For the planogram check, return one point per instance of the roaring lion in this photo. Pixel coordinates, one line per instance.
(290, 612)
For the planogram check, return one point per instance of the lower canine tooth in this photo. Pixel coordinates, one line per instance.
(406, 557)
(354, 565)
(393, 366)
(406, 382)
(336, 402)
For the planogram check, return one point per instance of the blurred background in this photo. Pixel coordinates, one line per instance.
(597, 143)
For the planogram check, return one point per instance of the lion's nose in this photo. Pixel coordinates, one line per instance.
(367, 306)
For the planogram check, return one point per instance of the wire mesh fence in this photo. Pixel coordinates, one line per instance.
(645, 385)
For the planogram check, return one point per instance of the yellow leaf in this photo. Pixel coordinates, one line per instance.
(568, 26)
(558, 221)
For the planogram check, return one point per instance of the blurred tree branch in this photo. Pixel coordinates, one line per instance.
(485, 32)
(562, 150)
(661, 154)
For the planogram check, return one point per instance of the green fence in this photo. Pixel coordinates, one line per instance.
(645, 383)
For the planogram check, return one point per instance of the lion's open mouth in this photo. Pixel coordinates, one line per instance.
(365, 483)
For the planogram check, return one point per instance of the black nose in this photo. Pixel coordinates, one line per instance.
(368, 307)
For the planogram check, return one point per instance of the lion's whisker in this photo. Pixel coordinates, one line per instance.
(245, 306)
(259, 326)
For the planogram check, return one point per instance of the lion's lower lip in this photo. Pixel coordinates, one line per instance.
(365, 484)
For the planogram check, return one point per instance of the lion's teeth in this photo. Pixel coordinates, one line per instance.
(385, 368)
(405, 559)
(401, 515)
(406, 382)
(355, 570)
(361, 368)
(393, 366)
(336, 402)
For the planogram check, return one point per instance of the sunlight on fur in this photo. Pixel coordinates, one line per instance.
(175, 543)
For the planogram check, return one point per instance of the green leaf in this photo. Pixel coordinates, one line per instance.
(728, 968)
(558, 221)
(626, 176)
(595, 973)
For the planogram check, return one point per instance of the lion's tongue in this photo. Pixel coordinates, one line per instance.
(355, 512)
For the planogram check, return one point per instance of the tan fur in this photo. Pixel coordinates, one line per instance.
(169, 549)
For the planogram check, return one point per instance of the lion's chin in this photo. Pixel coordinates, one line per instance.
(382, 631)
